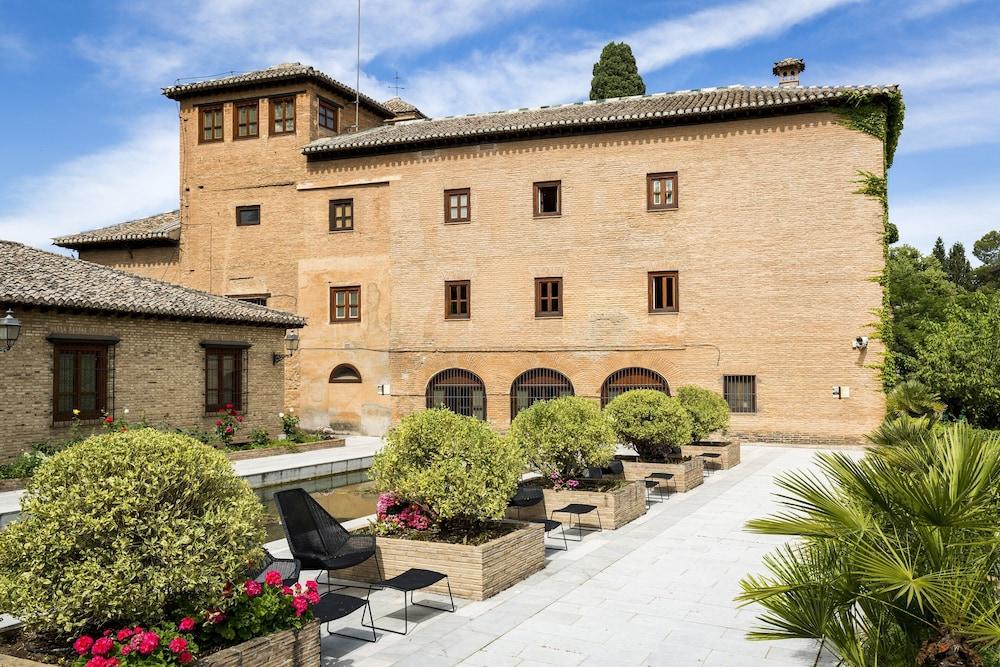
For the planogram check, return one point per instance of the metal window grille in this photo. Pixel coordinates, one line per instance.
(244, 379)
(538, 384)
(632, 378)
(459, 390)
(740, 392)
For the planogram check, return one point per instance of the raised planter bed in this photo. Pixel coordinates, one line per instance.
(476, 572)
(614, 508)
(15, 484)
(290, 448)
(687, 474)
(728, 449)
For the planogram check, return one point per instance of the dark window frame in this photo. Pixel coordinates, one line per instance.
(102, 372)
(731, 384)
(258, 299)
(540, 298)
(637, 377)
(214, 109)
(674, 277)
(449, 299)
(538, 384)
(220, 353)
(274, 102)
(332, 109)
(662, 176)
(333, 217)
(457, 192)
(459, 390)
(248, 207)
(536, 200)
(246, 104)
(348, 289)
(356, 379)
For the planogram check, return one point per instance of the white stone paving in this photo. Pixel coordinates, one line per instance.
(657, 592)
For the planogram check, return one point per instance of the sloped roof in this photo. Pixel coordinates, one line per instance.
(398, 105)
(162, 227)
(34, 277)
(682, 107)
(273, 74)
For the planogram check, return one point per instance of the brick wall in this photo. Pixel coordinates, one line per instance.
(158, 373)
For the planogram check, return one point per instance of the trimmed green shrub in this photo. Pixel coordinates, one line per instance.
(708, 410)
(564, 435)
(650, 422)
(124, 528)
(457, 467)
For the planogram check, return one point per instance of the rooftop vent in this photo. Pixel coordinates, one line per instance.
(788, 71)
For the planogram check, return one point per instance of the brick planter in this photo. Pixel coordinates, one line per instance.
(729, 450)
(615, 508)
(290, 448)
(687, 474)
(476, 572)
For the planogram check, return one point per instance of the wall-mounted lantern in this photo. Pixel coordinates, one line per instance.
(291, 345)
(10, 329)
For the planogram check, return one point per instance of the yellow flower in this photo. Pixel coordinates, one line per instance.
(75, 411)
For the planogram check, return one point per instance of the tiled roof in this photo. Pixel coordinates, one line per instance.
(268, 75)
(162, 227)
(399, 105)
(681, 107)
(35, 277)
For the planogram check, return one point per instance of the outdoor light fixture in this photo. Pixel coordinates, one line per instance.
(291, 344)
(10, 329)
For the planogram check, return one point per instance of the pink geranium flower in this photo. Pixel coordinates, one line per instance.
(186, 625)
(103, 646)
(252, 588)
(178, 645)
(83, 644)
(300, 604)
(312, 585)
(273, 578)
(124, 634)
(185, 658)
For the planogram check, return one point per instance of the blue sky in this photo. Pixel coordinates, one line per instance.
(92, 142)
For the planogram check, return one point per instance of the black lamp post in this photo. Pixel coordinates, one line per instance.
(10, 329)
(291, 344)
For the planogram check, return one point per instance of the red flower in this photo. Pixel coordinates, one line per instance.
(215, 616)
(109, 420)
(83, 644)
(313, 597)
(312, 586)
(300, 604)
(185, 658)
(273, 578)
(111, 662)
(124, 634)
(186, 624)
(239, 418)
(149, 642)
(229, 406)
(107, 633)
(218, 422)
(126, 649)
(97, 661)
(178, 645)
(103, 646)
(252, 588)
(229, 430)
(285, 590)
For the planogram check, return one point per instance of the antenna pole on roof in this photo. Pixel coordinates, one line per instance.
(357, 78)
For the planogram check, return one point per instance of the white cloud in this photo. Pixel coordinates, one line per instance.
(135, 178)
(920, 9)
(959, 214)
(13, 49)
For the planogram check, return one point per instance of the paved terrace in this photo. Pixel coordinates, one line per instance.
(657, 592)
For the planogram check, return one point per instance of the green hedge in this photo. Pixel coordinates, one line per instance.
(564, 435)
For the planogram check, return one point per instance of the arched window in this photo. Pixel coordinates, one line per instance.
(345, 373)
(632, 378)
(538, 384)
(460, 391)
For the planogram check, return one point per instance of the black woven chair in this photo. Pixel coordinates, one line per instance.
(615, 468)
(528, 496)
(318, 540)
(288, 568)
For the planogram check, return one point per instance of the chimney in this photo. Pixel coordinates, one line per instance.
(788, 71)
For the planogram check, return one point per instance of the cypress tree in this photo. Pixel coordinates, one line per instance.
(938, 251)
(616, 74)
(957, 266)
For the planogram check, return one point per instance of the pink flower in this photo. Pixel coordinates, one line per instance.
(218, 422)
(96, 661)
(229, 406)
(312, 586)
(126, 649)
(103, 646)
(149, 642)
(273, 578)
(111, 662)
(285, 590)
(300, 604)
(229, 430)
(186, 624)
(107, 633)
(124, 634)
(215, 616)
(252, 588)
(178, 645)
(239, 418)
(185, 657)
(572, 483)
(313, 597)
(83, 644)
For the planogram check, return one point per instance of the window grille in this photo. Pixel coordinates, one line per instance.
(538, 384)
(459, 390)
(740, 392)
(632, 378)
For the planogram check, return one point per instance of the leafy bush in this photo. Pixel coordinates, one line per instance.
(290, 425)
(650, 422)
(457, 467)
(257, 609)
(121, 528)
(23, 465)
(708, 410)
(564, 435)
(227, 422)
(259, 438)
(138, 647)
(913, 399)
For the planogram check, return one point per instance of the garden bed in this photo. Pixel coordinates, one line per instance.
(616, 507)
(283, 448)
(475, 572)
(729, 451)
(687, 474)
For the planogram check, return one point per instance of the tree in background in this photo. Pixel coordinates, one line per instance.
(938, 252)
(616, 73)
(957, 266)
(987, 251)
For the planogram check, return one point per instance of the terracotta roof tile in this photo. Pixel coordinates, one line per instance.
(164, 227)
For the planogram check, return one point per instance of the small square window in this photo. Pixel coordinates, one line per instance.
(341, 215)
(740, 391)
(327, 116)
(247, 215)
(283, 115)
(245, 120)
(661, 191)
(663, 292)
(345, 304)
(548, 297)
(210, 123)
(457, 205)
(548, 198)
(457, 300)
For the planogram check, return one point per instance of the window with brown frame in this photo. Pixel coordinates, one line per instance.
(345, 304)
(248, 215)
(341, 215)
(548, 297)
(457, 205)
(80, 381)
(548, 198)
(457, 300)
(282, 115)
(245, 120)
(223, 378)
(327, 115)
(210, 122)
(345, 374)
(661, 191)
(740, 392)
(663, 291)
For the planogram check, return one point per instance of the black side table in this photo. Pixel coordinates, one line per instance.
(333, 606)
(409, 581)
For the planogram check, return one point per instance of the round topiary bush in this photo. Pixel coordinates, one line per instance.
(457, 467)
(564, 435)
(650, 422)
(708, 410)
(123, 528)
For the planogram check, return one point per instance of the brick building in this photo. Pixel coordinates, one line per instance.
(98, 340)
(711, 237)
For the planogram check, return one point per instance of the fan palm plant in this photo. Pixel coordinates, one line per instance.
(896, 561)
(914, 399)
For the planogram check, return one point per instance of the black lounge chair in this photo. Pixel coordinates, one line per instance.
(528, 496)
(615, 469)
(318, 540)
(288, 568)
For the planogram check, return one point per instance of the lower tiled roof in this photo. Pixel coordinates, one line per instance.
(162, 227)
(34, 277)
